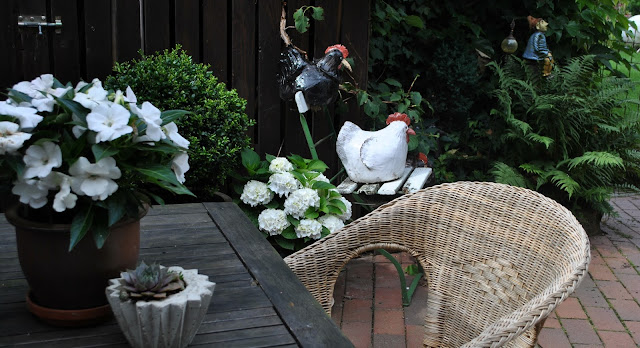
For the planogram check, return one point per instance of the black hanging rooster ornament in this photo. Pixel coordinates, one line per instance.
(312, 84)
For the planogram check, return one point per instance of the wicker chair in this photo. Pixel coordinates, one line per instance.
(498, 259)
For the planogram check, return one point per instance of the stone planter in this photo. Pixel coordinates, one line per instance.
(171, 322)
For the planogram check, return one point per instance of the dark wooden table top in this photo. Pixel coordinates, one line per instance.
(257, 302)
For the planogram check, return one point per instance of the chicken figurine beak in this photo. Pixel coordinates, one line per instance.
(346, 64)
(410, 132)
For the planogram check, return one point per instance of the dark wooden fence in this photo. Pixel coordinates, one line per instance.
(238, 38)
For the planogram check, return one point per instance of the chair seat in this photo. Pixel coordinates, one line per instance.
(497, 259)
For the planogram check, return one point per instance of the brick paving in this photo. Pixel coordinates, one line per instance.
(602, 312)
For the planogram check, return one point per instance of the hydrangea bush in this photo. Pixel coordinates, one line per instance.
(290, 200)
(78, 154)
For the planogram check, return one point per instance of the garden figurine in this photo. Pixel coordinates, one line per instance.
(537, 49)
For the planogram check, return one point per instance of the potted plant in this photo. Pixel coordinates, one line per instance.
(76, 157)
(157, 306)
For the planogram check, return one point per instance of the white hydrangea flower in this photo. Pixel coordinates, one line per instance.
(30, 192)
(283, 183)
(26, 115)
(300, 200)
(110, 121)
(64, 199)
(180, 165)
(331, 222)
(11, 139)
(95, 179)
(41, 159)
(347, 214)
(255, 193)
(280, 165)
(273, 221)
(309, 228)
(93, 97)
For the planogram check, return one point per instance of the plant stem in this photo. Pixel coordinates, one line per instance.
(307, 135)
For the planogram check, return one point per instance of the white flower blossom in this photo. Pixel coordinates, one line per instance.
(255, 193)
(300, 200)
(130, 96)
(30, 192)
(283, 183)
(110, 121)
(347, 214)
(180, 165)
(273, 221)
(41, 159)
(309, 228)
(93, 97)
(42, 83)
(26, 115)
(95, 179)
(171, 130)
(280, 165)
(331, 222)
(64, 199)
(10, 138)
(151, 117)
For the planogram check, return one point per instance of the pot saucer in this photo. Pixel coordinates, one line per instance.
(70, 317)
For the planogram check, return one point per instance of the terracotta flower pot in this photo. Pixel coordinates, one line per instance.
(66, 284)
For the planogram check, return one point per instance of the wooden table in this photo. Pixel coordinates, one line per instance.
(257, 302)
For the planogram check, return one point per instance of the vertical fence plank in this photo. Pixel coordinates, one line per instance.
(35, 46)
(65, 49)
(10, 66)
(355, 35)
(214, 37)
(127, 30)
(157, 35)
(97, 33)
(243, 52)
(187, 28)
(327, 33)
(294, 141)
(269, 42)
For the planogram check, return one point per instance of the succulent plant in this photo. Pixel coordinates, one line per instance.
(150, 282)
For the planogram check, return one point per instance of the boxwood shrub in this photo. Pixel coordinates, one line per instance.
(217, 127)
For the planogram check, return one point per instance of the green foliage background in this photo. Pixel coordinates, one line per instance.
(217, 127)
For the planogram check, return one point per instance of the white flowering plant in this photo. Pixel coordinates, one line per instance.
(290, 200)
(86, 156)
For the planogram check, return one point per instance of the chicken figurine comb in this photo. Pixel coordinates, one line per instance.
(399, 117)
(312, 84)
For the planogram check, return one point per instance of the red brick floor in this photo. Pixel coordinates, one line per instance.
(602, 312)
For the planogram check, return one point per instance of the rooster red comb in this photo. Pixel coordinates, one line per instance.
(399, 117)
(345, 52)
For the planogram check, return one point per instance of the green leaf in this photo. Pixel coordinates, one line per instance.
(172, 115)
(416, 98)
(573, 28)
(74, 107)
(322, 185)
(116, 206)
(318, 13)
(99, 228)
(413, 142)
(393, 82)
(293, 221)
(285, 244)
(250, 159)
(412, 270)
(311, 213)
(317, 165)
(289, 233)
(301, 22)
(414, 21)
(102, 150)
(80, 225)
(363, 97)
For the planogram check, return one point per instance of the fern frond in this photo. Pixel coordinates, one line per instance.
(563, 181)
(504, 174)
(540, 139)
(531, 168)
(598, 159)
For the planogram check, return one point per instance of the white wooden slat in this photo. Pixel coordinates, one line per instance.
(369, 189)
(392, 187)
(347, 187)
(417, 180)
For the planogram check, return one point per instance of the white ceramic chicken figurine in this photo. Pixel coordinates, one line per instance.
(379, 156)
